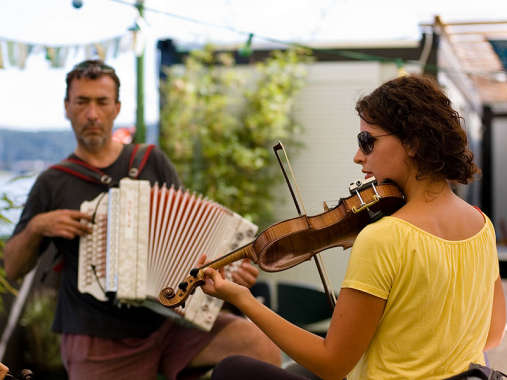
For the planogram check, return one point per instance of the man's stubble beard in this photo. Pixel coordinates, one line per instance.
(92, 143)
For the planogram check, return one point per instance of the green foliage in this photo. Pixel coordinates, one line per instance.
(5, 204)
(220, 121)
(44, 345)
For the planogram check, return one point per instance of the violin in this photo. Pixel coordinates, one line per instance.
(290, 242)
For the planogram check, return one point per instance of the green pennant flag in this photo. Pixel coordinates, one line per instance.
(22, 55)
(116, 46)
(1, 57)
(11, 55)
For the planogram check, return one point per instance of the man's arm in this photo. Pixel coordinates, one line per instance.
(22, 250)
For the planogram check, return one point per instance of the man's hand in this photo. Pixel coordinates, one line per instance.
(60, 223)
(21, 251)
(246, 274)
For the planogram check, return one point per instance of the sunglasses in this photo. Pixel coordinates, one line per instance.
(366, 141)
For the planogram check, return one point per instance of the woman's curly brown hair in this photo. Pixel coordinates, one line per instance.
(416, 110)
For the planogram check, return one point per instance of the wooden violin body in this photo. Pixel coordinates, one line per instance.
(293, 241)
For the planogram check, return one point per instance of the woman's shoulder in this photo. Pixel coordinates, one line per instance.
(453, 220)
(382, 231)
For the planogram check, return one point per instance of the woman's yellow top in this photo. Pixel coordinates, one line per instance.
(439, 297)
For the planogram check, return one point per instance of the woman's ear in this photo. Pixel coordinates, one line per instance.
(411, 148)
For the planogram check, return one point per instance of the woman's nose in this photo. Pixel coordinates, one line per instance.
(359, 157)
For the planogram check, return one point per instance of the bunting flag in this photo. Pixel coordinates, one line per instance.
(15, 54)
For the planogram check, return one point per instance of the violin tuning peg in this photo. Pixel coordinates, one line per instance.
(183, 285)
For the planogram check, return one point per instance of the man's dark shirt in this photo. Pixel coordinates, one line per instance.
(78, 313)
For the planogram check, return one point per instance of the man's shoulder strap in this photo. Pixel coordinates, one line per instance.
(138, 159)
(84, 171)
(81, 169)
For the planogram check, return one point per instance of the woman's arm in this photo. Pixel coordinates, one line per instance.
(353, 325)
(497, 326)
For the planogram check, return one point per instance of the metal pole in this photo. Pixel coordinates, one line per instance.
(140, 135)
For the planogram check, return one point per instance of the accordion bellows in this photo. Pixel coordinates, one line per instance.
(147, 238)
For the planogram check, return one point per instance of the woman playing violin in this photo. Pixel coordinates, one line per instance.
(422, 297)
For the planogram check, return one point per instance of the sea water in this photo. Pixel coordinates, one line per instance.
(14, 187)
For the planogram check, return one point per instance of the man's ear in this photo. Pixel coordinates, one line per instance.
(118, 107)
(66, 106)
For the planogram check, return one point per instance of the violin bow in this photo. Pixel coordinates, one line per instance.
(318, 259)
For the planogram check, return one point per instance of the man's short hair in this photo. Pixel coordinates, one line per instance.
(92, 69)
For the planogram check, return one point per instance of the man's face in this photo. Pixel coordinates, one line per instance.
(92, 109)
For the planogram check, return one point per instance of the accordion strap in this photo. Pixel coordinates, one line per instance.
(83, 170)
(138, 159)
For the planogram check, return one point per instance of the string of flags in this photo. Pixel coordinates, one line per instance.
(15, 53)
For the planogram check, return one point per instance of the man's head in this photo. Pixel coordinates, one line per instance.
(92, 103)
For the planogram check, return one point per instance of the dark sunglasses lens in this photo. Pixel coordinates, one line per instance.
(365, 141)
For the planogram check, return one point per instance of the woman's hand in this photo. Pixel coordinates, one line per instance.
(217, 286)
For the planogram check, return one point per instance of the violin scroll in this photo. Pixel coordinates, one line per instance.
(168, 297)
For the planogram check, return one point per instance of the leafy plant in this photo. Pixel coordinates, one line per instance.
(219, 122)
(43, 344)
(5, 204)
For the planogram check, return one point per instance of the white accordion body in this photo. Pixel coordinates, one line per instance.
(147, 238)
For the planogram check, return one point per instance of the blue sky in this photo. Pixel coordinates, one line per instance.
(32, 98)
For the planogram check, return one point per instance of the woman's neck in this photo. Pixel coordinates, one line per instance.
(427, 190)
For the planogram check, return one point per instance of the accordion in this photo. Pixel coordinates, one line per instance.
(147, 238)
